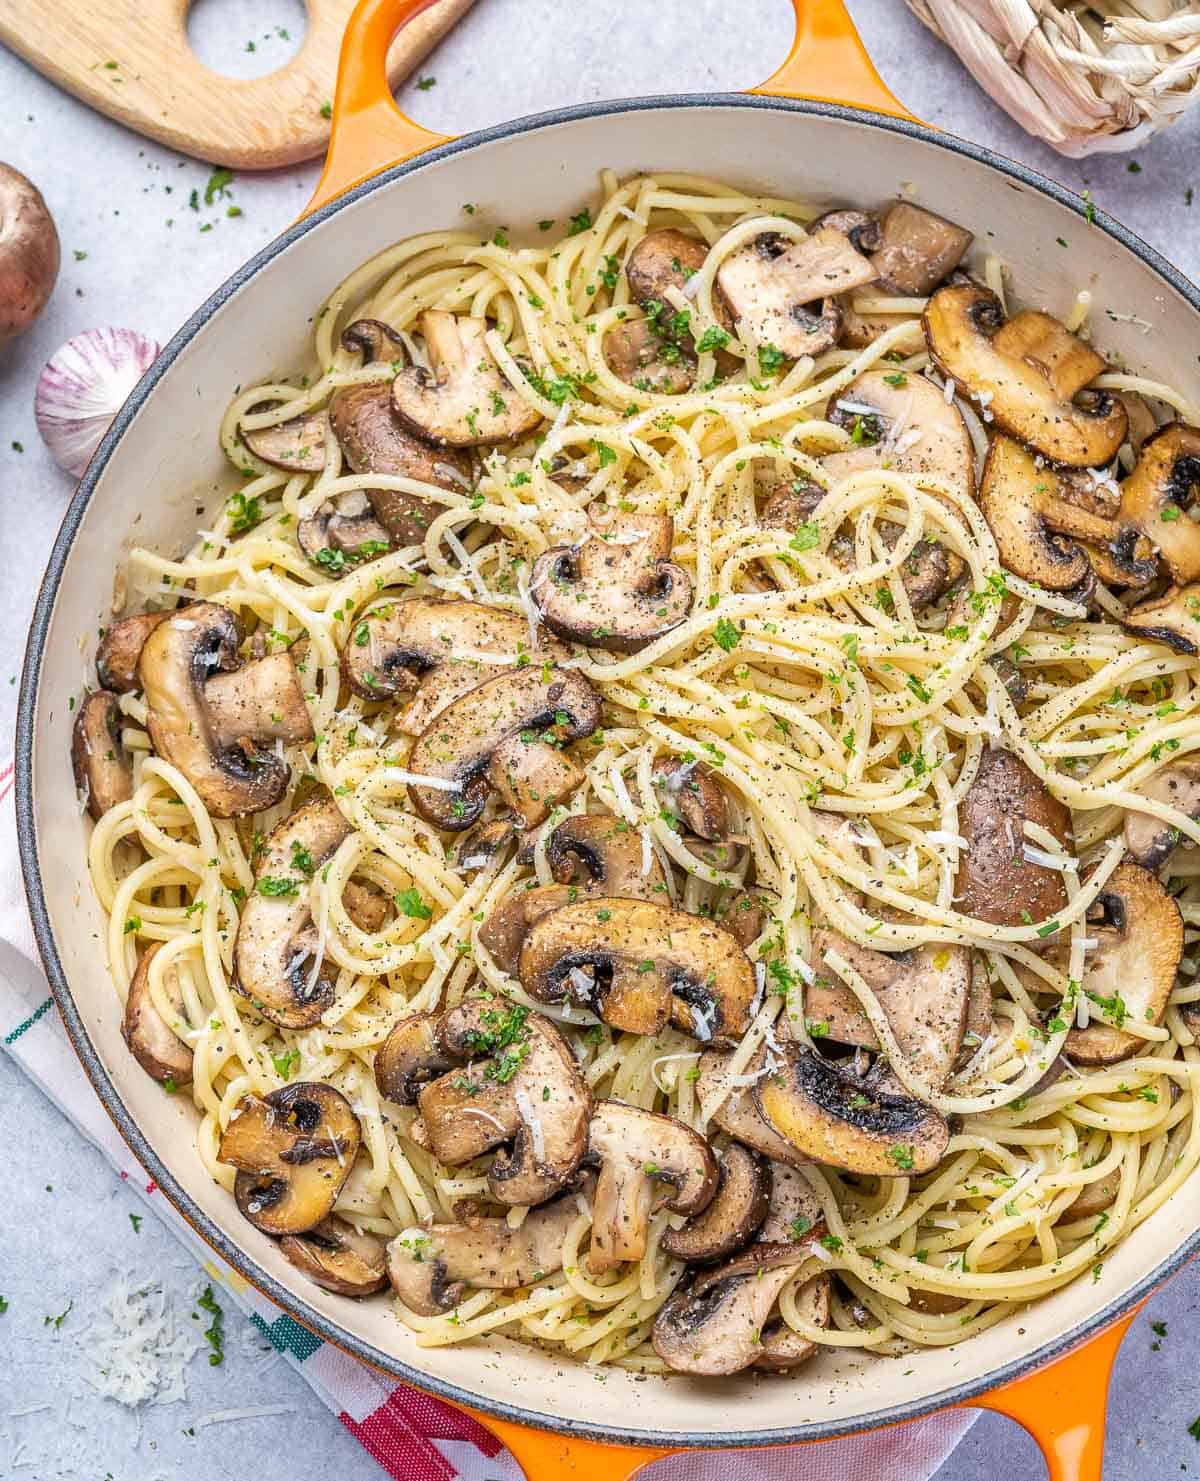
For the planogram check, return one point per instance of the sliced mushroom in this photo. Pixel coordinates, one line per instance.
(153, 1041)
(833, 1117)
(462, 400)
(661, 260)
(430, 1268)
(733, 1217)
(996, 882)
(647, 1161)
(121, 647)
(410, 1057)
(1096, 1196)
(646, 360)
(746, 916)
(589, 855)
(979, 1011)
(1170, 619)
(617, 589)
(480, 849)
(1140, 934)
(454, 752)
(297, 445)
(638, 964)
(1026, 506)
(1030, 372)
(737, 1114)
(1148, 840)
(916, 250)
(179, 661)
(782, 1347)
(1142, 422)
(923, 993)
(278, 960)
(795, 1209)
(262, 700)
(695, 794)
(374, 341)
(532, 778)
(859, 329)
(860, 227)
(343, 531)
(339, 1257)
(431, 649)
(911, 429)
(528, 1092)
(1157, 496)
(365, 906)
(714, 1326)
(293, 1150)
(785, 290)
(103, 771)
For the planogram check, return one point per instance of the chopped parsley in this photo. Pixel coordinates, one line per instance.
(726, 635)
(410, 903)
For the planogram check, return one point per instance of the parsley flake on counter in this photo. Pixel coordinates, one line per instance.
(214, 1333)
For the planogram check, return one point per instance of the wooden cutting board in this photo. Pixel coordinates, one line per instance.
(131, 59)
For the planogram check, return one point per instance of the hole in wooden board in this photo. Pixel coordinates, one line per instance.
(246, 38)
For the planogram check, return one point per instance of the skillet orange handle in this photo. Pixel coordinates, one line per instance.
(1063, 1406)
(827, 62)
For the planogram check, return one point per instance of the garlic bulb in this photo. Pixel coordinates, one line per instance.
(82, 387)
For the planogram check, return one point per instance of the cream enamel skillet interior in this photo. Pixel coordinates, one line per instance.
(163, 442)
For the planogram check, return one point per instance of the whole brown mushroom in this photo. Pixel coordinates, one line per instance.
(29, 253)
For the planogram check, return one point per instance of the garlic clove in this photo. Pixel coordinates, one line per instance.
(82, 387)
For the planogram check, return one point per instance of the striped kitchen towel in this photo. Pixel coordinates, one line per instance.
(413, 1436)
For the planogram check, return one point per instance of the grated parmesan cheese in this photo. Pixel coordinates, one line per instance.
(138, 1350)
(536, 1136)
(418, 779)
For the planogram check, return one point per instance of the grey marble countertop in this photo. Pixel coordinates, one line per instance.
(136, 254)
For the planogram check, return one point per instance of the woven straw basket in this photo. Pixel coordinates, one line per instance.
(1085, 75)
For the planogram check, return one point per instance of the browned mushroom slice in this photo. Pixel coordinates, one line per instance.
(342, 532)
(103, 771)
(278, 960)
(262, 699)
(1158, 494)
(783, 1348)
(835, 1118)
(979, 1011)
(532, 778)
(293, 1151)
(366, 907)
(934, 1303)
(661, 260)
(1030, 372)
(1142, 422)
(482, 847)
(737, 1114)
(437, 649)
(1171, 619)
(181, 658)
(1131, 973)
(735, 1214)
(715, 1325)
(909, 428)
(787, 503)
(462, 400)
(617, 589)
(592, 854)
(430, 1268)
(785, 290)
(1148, 840)
(339, 1257)
(298, 445)
(923, 994)
(528, 1092)
(695, 795)
(374, 341)
(454, 751)
(996, 882)
(152, 1040)
(917, 250)
(1027, 506)
(795, 1210)
(859, 227)
(121, 647)
(640, 357)
(647, 1161)
(409, 1058)
(637, 964)
(1096, 1196)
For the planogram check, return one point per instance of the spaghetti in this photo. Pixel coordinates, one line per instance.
(803, 680)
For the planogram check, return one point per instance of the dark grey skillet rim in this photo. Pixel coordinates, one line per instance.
(27, 834)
